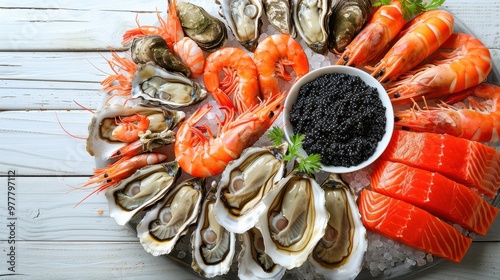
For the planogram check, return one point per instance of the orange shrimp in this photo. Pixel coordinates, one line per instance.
(119, 170)
(119, 83)
(240, 81)
(461, 62)
(171, 31)
(128, 128)
(479, 121)
(420, 38)
(203, 156)
(384, 25)
(272, 55)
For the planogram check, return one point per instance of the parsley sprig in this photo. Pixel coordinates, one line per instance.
(309, 164)
(413, 7)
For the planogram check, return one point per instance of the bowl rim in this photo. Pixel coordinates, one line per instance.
(368, 79)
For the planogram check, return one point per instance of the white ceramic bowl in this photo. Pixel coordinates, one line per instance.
(369, 80)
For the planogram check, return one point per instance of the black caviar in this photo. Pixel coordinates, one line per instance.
(342, 118)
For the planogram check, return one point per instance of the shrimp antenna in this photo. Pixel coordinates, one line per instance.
(83, 107)
(67, 132)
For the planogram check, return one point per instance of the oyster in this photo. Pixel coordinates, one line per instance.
(340, 253)
(158, 86)
(153, 48)
(244, 19)
(243, 185)
(100, 142)
(206, 30)
(253, 262)
(213, 247)
(279, 14)
(311, 22)
(294, 221)
(170, 218)
(146, 186)
(347, 19)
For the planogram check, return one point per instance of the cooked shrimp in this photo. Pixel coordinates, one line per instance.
(272, 55)
(119, 170)
(461, 62)
(384, 25)
(171, 31)
(240, 81)
(203, 156)
(420, 38)
(119, 83)
(128, 128)
(479, 121)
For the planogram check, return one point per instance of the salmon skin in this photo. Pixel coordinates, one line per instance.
(412, 226)
(431, 191)
(467, 162)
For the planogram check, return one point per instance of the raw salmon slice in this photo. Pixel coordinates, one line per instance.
(412, 226)
(467, 162)
(434, 193)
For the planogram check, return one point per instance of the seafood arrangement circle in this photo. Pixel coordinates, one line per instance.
(196, 156)
(370, 81)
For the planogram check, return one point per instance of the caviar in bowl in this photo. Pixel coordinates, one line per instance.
(345, 115)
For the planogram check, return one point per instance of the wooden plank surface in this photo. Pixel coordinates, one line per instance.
(51, 55)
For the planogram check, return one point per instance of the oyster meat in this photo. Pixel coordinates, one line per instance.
(253, 262)
(206, 30)
(244, 19)
(100, 142)
(294, 220)
(347, 19)
(213, 247)
(311, 22)
(153, 48)
(279, 14)
(170, 218)
(340, 253)
(146, 186)
(243, 185)
(158, 86)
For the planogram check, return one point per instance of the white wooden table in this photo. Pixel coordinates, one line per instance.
(50, 53)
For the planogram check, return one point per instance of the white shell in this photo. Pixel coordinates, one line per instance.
(238, 207)
(223, 249)
(146, 186)
(311, 20)
(301, 201)
(181, 206)
(348, 247)
(244, 19)
(253, 262)
(102, 147)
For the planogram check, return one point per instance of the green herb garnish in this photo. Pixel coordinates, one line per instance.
(413, 7)
(308, 164)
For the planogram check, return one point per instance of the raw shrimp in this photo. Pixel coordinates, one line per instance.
(148, 142)
(272, 55)
(128, 128)
(419, 39)
(119, 83)
(203, 156)
(480, 121)
(171, 31)
(384, 25)
(461, 62)
(121, 169)
(240, 81)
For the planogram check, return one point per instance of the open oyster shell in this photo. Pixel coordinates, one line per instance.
(244, 19)
(206, 30)
(158, 86)
(146, 186)
(243, 185)
(340, 253)
(213, 247)
(311, 22)
(294, 220)
(279, 14)
(253, 262)
(101, 144)
(170, 218)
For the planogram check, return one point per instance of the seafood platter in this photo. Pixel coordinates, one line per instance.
(191, 151)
